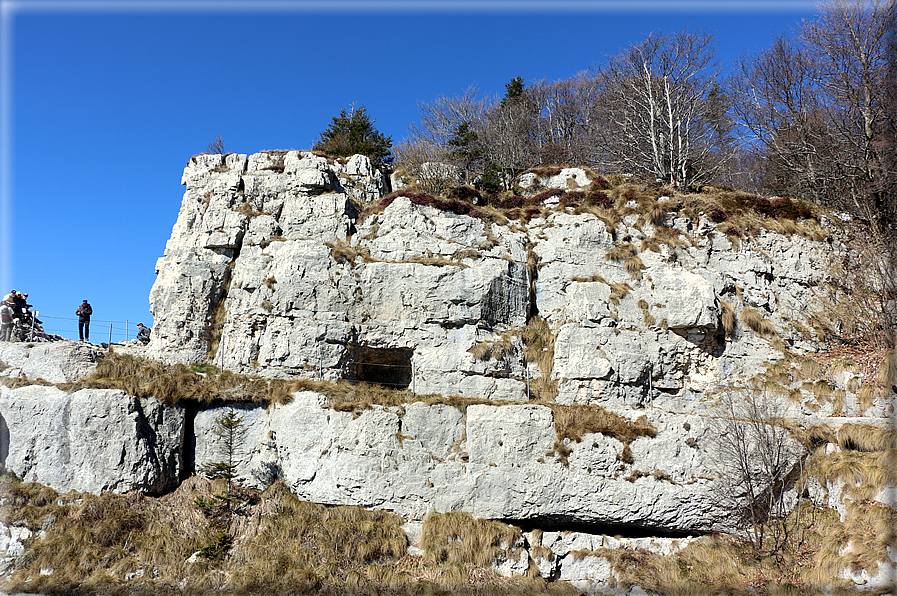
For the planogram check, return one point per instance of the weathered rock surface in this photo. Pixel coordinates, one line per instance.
(269, 270)
(491, 462)
(566, 179)
(93, 440)
(56, 362)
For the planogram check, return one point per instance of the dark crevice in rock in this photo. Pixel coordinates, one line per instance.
(561, 523)
(390, 367)
(668, 390)
(188, 443)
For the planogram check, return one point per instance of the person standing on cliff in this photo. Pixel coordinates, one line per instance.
(84, 311)
(5, 321)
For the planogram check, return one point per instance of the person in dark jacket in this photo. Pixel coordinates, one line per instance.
(18, 305)
(84, 311)
(143, 335)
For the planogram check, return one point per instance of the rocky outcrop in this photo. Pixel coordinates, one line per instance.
(55, 362)
(93, 440)
(495, 461)
(491, 461)
(269, 270)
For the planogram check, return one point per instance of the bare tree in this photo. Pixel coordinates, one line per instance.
(757, 463)
(440, 118)
(509, 136)
(568, 116)
(847, 49)
(818, 106)
(655, 95)
(216, 146)
(822, 110)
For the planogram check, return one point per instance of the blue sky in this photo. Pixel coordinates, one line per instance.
(104, 102)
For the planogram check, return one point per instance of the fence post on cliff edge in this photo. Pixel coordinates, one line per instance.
(110, 335)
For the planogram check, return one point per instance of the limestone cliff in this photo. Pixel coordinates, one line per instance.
(269, 270)
(287, 265)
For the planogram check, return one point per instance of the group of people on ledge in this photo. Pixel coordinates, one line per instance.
(16, 317)
(85, 311)
(14, 311)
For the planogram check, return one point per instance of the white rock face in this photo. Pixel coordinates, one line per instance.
(56, 362)
(566, 179)
(491, 462)
(268, 254)
(12, 539)
(93, 440)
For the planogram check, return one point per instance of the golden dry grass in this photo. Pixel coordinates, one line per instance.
(342, 252)
(811, 562)
(277, 544)
(618, 292)
(493, 349)
(591, 278)
(215, 326)
(538, 341)
(458, 537)
(887, 372)
(170, 384)
(634, 267)
(573, 422)
(646, 313)
(865, 437)
(621, 252)
(437, 261)
(755, 321)
(728, 317)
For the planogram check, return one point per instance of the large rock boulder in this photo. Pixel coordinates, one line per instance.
(492, 461)
(56, 362)
(93, 440)
(271, 270)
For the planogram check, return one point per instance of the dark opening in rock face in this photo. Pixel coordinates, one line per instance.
(390, 367)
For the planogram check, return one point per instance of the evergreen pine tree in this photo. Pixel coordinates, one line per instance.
(353, 132)
(230, 430)
(466, 148)
(513, 91)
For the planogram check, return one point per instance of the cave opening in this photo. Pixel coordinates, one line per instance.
(389, 367)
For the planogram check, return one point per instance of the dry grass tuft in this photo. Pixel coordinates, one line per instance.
(589, 279)
(728, 317)
(538, 341)
(493, 349)
(867, 438)
(755, 321)
(887, 372)
(277, 545)
(343, 252)
(618, 292)
(173, 383)
(458, 537)
(571, 423)
(621, 252)
(437, 261)
(646, 313)
(634, 266)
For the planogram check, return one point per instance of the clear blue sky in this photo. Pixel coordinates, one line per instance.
(104, 102)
